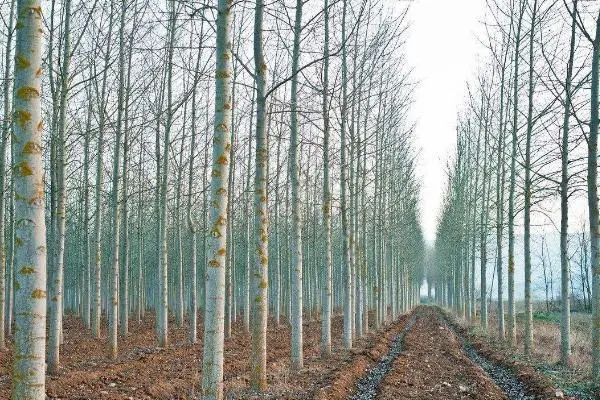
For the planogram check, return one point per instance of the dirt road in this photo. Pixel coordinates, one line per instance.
(432, 362)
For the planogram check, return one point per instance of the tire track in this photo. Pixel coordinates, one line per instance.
(367, 387)
(505, 379)
(433, 365)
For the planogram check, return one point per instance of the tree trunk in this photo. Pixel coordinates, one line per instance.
(511, 323)
(212, 361)
(592, 177)
(56, 285)
(565, 322)
(327, 288)
(124, 284)
(261, 214)
(116, 179)
(97, 309)
(190, 219)
(30, 229)
(296, 236)
(86, 217)
(528, 342)
(347, 262)
(4, 299)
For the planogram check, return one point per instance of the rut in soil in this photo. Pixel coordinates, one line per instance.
(514, 389)
(367, 387)
(371, 385)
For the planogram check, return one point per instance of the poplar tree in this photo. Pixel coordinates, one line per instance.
(30, 229)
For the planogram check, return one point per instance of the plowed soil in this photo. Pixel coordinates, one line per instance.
(433, 365)
(145, 371)
(430, 364)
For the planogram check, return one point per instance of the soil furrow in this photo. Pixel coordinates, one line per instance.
(512, 387)
(367, 387)
(433, 365)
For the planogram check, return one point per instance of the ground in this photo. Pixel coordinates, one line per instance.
(433, 365)
(431, 358)
(545, 359)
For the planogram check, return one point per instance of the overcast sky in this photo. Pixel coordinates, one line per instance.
(443, 49)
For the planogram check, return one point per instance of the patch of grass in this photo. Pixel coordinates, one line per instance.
(553, 317)
(582, 390)
(573, 380)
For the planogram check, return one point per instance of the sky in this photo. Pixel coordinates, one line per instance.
(443, 49)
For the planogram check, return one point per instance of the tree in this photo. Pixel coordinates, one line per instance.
(3, 146)
(565, 323)
(592, 183)
(30, 229)
(511, 323)
(261, 213)
(115, 193)
(528, 342)
(212, 361)
(327, 289)
(296, 237)
(58, 236)
(346, 258)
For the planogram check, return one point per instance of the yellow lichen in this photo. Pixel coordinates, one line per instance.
(22, 117)
(32, 148)
(223, 74)
(21, 62)
(38, 294)
(23, 169)
(37, 198)
(27, 270)
(221, 128)
(27, 93)
(33, 10)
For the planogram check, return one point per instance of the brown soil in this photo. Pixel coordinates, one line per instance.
(433, 365)
(344, 379)
(144, 371)
(534, 382)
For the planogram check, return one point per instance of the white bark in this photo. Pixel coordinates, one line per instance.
(296, 236)
(327, 287)
(258, 376)
(4, 299)
(565, 323)
(115, 195)
(212, 362)
(30, 230)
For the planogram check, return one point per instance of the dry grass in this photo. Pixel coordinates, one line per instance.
(546, 349)
(546, 339)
